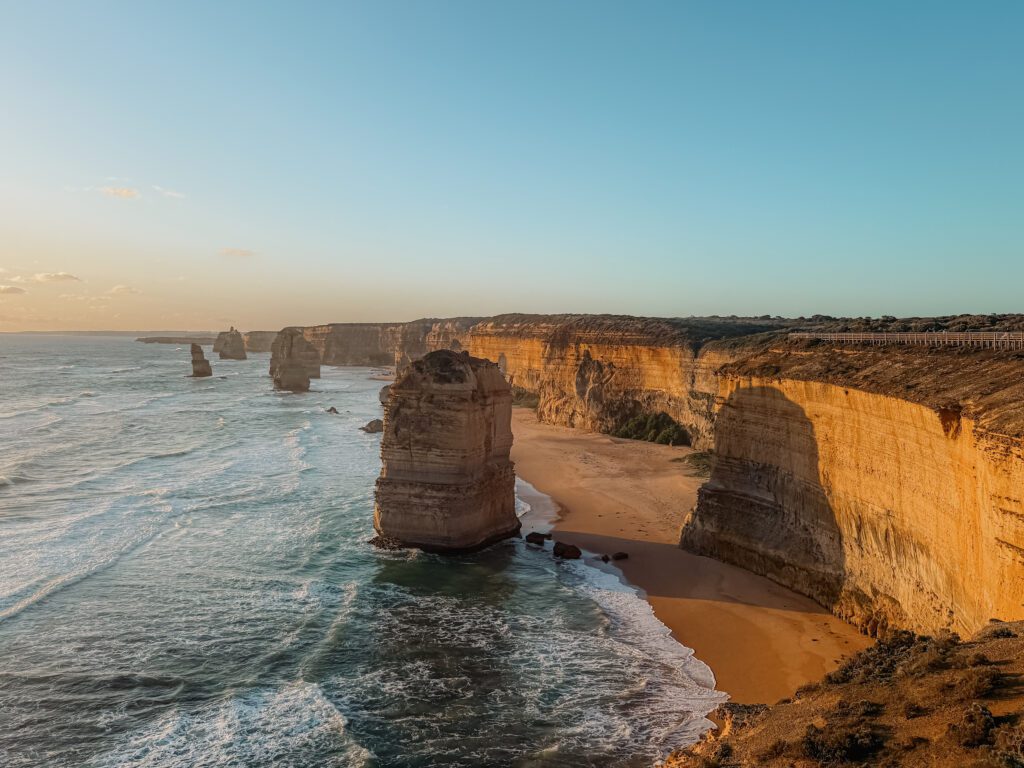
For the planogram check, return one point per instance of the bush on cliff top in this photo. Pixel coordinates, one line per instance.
(654, 428)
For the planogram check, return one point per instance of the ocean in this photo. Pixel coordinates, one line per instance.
(185, 581)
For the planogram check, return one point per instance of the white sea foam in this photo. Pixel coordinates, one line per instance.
(285, 726)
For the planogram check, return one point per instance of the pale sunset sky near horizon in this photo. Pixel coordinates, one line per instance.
(189, 165)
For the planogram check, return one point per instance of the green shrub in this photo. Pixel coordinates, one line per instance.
(654, 428)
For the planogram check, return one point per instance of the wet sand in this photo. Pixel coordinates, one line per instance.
(761, 640)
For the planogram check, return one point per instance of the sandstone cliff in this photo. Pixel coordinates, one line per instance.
(292, 361)
(259, 341)
(369, 344)
(200, 365)
(230, 345)
(886, 483)
(447, 483)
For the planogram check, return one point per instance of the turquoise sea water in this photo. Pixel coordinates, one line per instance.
(185, 580)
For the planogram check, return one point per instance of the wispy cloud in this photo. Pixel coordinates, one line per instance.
(121, 290)
(169, 192)
(123, 193)
(237, 253)
(11, 289)
(55, 277)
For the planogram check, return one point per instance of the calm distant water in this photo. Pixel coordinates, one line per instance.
(185, 581)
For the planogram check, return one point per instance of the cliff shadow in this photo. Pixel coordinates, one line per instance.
(764, 507)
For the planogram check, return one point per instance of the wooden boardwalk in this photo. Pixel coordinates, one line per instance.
(982, 339)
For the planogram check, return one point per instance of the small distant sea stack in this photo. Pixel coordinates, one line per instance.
(447, 483)
(200, 365)
(293, 360)
(230, 345)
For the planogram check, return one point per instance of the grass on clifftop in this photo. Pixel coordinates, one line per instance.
(909, 700)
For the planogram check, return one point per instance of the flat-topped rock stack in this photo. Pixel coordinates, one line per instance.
(200, 365)
(293, 361)
(230, 345)
(447, 483)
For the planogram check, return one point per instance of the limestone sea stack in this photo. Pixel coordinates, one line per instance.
(291, 347)
(291, 361)
(447, 484)
(231, 345)
(200, 365)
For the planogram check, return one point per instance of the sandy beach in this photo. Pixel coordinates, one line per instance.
(761, 640)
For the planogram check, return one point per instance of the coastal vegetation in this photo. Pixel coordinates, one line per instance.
(654, 428)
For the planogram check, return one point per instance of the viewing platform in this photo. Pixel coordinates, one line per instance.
(982, 339)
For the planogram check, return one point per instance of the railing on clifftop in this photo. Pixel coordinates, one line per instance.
(983, 339)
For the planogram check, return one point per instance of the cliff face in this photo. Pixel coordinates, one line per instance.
(369, 344)
(259, 341)
(447, 483)
(886, 483)
(889, 511)
(597, 373)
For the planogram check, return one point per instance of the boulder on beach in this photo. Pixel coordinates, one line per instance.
(373, 426)
(620, 556)
(200, 365)
(533, 537)
(567, 551)
(230, 345)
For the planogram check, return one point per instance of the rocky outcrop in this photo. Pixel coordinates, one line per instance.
(200, 365)
(447, 484)
(370, 344)
(885, 482)
(259, 341)
(895, 505)
(230, 345)
(291, 361)
(373, 426)
(291, 347)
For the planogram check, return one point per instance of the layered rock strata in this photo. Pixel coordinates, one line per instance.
(447, 483)
(886, 483)
(200, 365)
(230, 345)
(259, 341)
(894, 511)
(291, 361)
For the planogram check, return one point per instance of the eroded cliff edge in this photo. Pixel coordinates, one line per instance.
(884, 482)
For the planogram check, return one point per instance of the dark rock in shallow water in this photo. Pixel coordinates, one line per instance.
(332, 409)
(620, 556)
(536, 538)
(605, 558)
(200, 365)
(567, 551)
(373, 427)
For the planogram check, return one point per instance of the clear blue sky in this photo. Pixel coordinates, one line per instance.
(193, 163)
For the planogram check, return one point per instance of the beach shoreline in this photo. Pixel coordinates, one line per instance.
(761, 641)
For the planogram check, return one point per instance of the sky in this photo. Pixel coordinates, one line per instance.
(190, 165)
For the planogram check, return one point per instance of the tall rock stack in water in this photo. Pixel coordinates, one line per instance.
(231, 345)
(200, 365)
(447, 484)
(293, 361)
